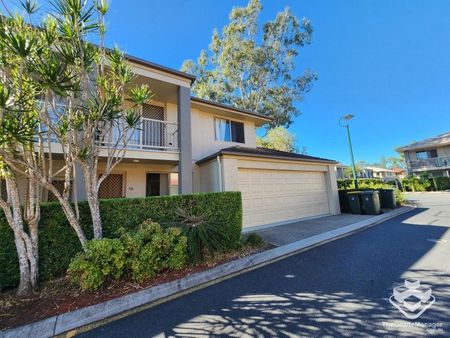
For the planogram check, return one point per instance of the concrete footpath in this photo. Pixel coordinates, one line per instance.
(93, 316)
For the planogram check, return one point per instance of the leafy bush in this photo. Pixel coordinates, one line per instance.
(346, 184)
(58, 243)
(152, 249)
(140, 254)
(441, 183)
(253, 239)
(417, 184)
(103, 260)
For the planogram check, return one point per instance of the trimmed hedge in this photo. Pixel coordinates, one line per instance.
(441, 183)
(347, 183)
(58, 243)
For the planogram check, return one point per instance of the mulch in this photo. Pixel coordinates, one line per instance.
(60, 296)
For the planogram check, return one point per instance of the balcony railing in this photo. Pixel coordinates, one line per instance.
(151, 135)
(154, 135)
(430, 163)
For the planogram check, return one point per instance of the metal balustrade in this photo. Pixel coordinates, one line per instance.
(430, 163)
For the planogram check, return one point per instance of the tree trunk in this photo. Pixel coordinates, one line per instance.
(73, 221)
(25, 285)
(28, 265)
(94, 206)
(91, 183)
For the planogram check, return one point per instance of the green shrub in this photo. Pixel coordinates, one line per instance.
(103, 260)
(152, 249)
(205, 236)
(346, 184)
(58, 243)
(139, 254)
(253, 239)
(441, 183)
(417, 184)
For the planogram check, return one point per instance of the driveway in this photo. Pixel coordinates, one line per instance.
(338, 289)
(296, 231)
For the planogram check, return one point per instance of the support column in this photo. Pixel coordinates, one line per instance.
(184, 140)
(79, 187)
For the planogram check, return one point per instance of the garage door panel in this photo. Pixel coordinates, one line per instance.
(271, 196)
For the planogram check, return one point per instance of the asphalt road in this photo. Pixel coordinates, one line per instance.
(338, 289)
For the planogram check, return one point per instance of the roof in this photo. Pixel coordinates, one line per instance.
(226, 106)
(398, 170)
(265, 153)
(160, 67)
(437, 141)
(377, 169)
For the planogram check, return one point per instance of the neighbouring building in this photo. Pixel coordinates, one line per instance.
(340, 170)
(381, 173)
(431, 155)
(186, 144)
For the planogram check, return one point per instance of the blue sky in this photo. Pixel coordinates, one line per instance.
(385, 61)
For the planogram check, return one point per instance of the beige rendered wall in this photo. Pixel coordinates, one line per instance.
(332, 190)
(203, 135)
(209, 179)
(443, 151)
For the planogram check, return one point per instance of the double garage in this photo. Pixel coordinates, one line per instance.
(276, 186)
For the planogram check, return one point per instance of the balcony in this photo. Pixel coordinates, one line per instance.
(430, 163)
(155, 135)
(151, 135)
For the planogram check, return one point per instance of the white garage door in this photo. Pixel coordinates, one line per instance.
(270, 196)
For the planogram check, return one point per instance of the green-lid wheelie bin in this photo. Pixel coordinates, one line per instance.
(370, 202)
(354, 202)
(387, 198)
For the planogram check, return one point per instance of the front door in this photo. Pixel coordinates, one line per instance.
(153, 184)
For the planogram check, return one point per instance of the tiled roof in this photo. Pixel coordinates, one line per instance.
(440, 140)
(265, 153)
(226, 106)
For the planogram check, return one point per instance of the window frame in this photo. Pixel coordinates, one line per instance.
(229, 123)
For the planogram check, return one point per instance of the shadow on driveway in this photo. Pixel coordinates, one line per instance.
(338, 289)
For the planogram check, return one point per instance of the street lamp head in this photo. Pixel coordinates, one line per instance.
(348, 117)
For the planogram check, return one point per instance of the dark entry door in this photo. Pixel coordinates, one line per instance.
(153, 184)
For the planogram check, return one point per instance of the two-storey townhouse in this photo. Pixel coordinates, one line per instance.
(186, 144)
(381, 173)
(431, 155)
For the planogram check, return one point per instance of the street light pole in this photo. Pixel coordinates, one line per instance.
(348, 118)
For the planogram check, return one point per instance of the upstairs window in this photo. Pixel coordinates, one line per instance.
(422, 155)
(229, 131)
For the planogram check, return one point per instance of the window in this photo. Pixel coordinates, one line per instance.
(112, 187)
(424, 154)
(3, 190)
(230, 131)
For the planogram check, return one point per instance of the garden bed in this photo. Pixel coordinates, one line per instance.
(60, 296)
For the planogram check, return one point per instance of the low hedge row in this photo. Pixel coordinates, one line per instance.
(58, 243)
(441, 183)
(346, 183)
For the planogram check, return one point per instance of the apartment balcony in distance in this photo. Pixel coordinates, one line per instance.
(430, 163)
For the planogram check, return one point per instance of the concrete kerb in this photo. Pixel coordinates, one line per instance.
(92, 316)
